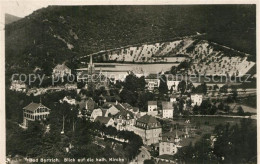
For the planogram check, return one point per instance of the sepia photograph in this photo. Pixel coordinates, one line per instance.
(132, 84)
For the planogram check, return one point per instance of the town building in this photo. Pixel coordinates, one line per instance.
(152, 108)
(152, 82)
(107, 121)
(111, 109)
(92, 77)
(95, 113)
(142, 156)
(124, 120)
(90, 104)
(173, 98)
(61, 70)
(18, 86)
(71, 86)
(167, 109)
(34, 111)
(196, 99)
(69, 100)
(170, 143)
(149, 129)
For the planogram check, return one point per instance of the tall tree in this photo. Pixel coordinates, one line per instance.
(163, 87)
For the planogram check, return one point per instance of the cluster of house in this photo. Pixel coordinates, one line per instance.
(122, 116)
(167, 109)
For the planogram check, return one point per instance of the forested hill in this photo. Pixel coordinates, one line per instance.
(56, 34)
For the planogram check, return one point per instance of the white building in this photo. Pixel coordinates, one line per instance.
(173, 98)
(34, 111)
(95, 113)
(169, 144)
(152, 82)
(19, 86)
(196, 99)
(167, 109)
(69, 100)
(152, 108)
(61, 70)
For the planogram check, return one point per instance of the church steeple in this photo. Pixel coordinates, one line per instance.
(91, 66)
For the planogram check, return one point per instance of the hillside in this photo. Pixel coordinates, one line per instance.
(56, 34)
(11, 18)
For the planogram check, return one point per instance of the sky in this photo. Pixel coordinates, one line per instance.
(21, 8)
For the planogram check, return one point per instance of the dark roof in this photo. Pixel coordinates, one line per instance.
(152, 76)
(102, 120)
(150, 121)
(103, 111)
(170, 136)
(82, 104)
(167, 105)
(33, 106)
(152, 102)
(126, 105)
(123, 113)
(135, 109)
(120, 107)
(166, 156)
(186, 141)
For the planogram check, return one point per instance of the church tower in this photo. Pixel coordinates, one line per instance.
(91, 66)
(91, 74)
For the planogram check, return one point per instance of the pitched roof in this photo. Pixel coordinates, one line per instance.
(167, 105)
(152, 102)
(120, 107)
(135, 109)
(33, 106)
(104, 111)
(152, 76)
(150, 121)
(170, 136)
(126, 105)
(123, 113)
(61, 66)
(102, 120)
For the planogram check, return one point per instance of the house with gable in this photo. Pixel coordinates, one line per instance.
(167, 109)
(152, 108)
(124, 120)
(95, 113)
(107, 121)
(61, 70)
(196, 99)
(149, 129)
(34, 111)
(69, 100)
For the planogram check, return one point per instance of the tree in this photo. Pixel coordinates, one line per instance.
(182, 86)
(234, 92)
(224, 89)
(240, 111)
(232, 141)
(196, 109)
(133, 83)
(201, 89)
(163, 87)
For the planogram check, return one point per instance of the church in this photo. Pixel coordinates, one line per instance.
(94, 79)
